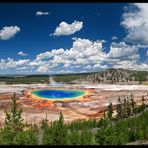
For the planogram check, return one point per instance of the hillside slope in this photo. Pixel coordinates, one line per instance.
(112, 76)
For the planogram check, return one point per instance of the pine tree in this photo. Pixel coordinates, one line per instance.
(7, 135)
(13, 123)
(104, 121)
(27, 137)
(122, 132)
(48, 134)
(94, 123)
(107, 136)
(143, 104)
(128, 108)
(86, 137)
(119, 109)
(110, 111)
(100, 123)
(132, 105)
(59, 131)
(73, 138)
(44, 123)
(13, 118)
(124, 108)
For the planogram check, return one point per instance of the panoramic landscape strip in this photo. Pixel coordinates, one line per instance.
(73, 74)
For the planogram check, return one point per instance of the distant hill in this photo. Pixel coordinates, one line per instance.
(112, 76)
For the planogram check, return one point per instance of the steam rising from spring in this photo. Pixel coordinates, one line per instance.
(51, 81)
(54, 83)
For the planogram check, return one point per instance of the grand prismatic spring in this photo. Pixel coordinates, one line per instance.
(58, 94)
(46, 97)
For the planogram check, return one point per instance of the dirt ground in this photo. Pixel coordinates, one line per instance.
(91, 106)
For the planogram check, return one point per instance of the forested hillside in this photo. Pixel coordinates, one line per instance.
(112, 76)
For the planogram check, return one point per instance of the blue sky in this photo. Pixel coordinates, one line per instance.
(72, 37)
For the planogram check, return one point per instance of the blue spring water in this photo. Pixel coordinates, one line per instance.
(58, 94)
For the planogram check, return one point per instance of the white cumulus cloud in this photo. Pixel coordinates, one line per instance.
(8, 32)
(81, 55)
(21, 53)
(114, 38)
(40, 13)
(43, 69)
(22, 62)
(11, 63)
(22, 68)
(122, 51)
(131, 65)
(68, 29)
(135, 20)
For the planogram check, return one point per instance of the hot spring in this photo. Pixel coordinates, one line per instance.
(58, 94)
